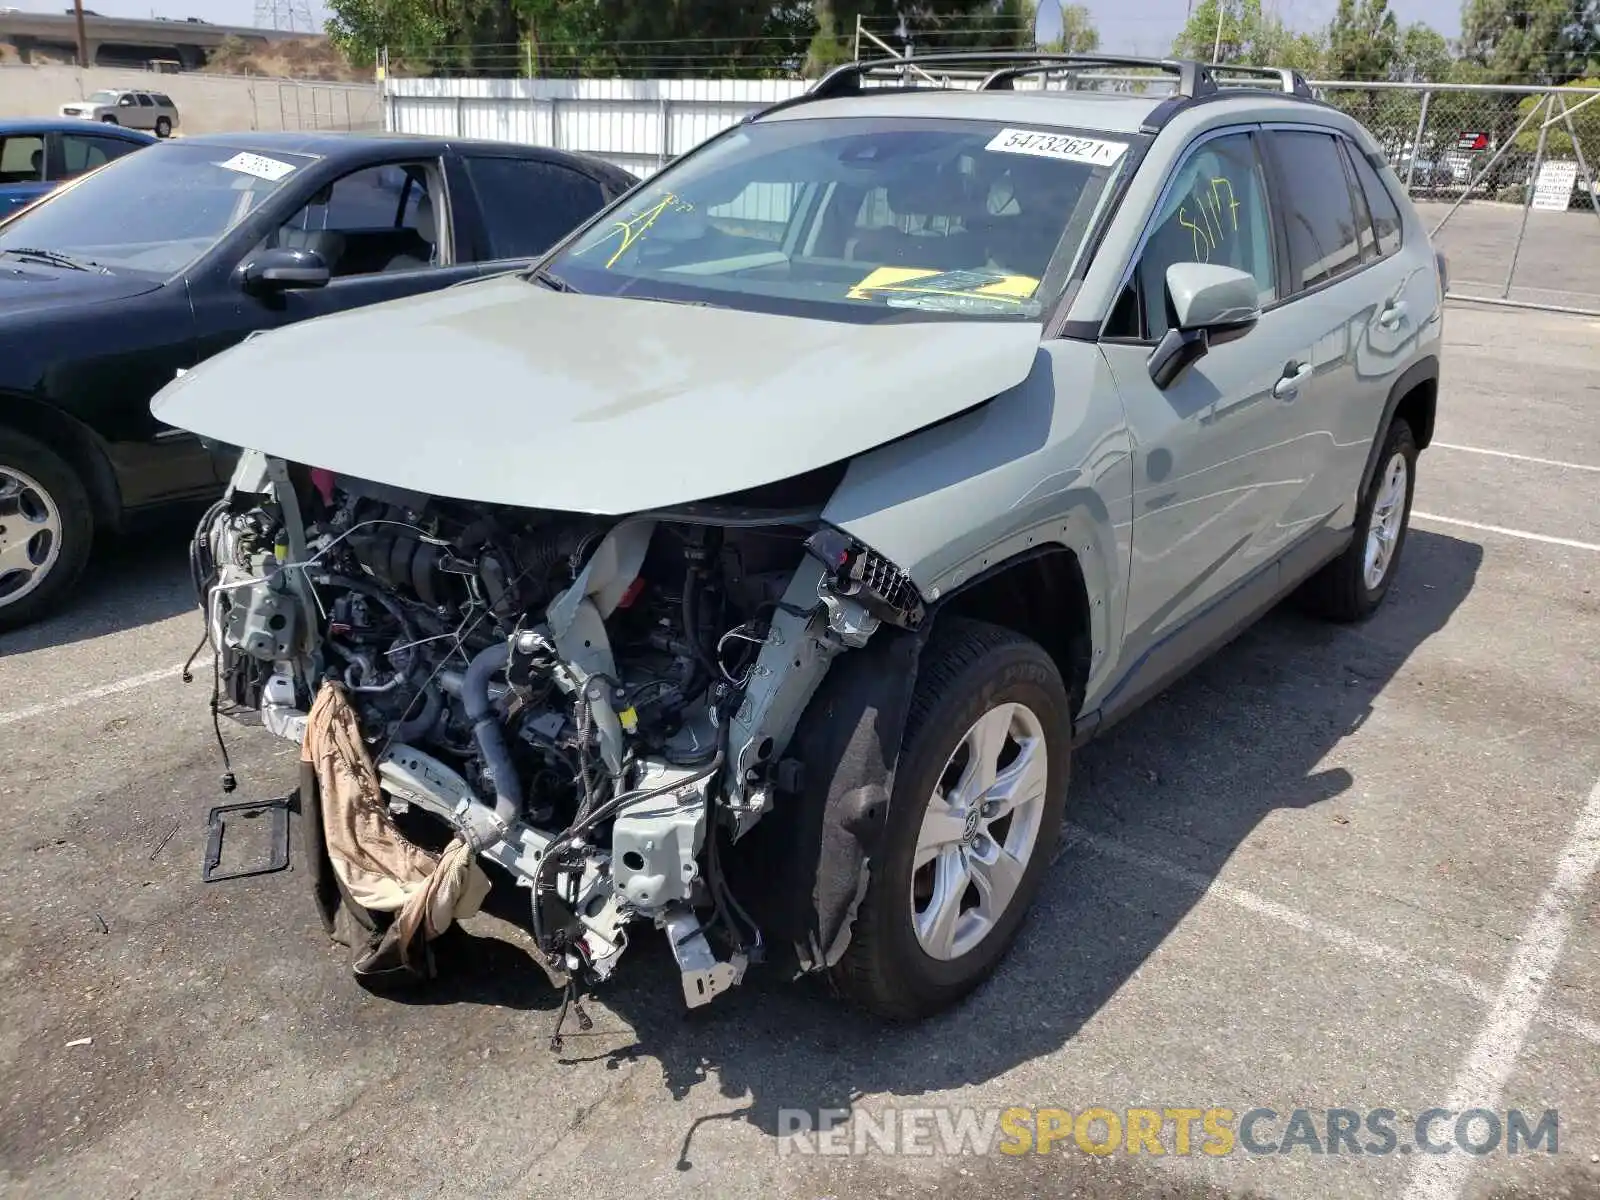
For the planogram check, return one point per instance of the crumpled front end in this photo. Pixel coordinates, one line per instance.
(594, 709)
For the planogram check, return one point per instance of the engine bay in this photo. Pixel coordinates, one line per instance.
(598, 706)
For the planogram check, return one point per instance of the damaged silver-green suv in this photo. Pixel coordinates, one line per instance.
(751, 567)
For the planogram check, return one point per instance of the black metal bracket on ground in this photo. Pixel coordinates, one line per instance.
(216, 826)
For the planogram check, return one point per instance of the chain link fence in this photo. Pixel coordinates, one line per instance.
(1505, 178)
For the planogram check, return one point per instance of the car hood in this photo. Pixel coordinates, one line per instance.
(26, 287)
(506, 392)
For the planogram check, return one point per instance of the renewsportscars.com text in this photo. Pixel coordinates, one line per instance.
(1152, 1131)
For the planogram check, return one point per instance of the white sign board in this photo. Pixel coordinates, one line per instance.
(1554, 188)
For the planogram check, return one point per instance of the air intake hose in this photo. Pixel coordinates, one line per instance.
(487, 733)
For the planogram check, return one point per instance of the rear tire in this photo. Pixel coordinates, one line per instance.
(978, 685)
(1351, 587)
(163, 127)
(46, 529)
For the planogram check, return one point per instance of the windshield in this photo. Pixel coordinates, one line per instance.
(153, 211)
(857, 218)
(103, 97)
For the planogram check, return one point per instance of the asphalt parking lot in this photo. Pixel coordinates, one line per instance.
(1337, 867)
(1559, 262)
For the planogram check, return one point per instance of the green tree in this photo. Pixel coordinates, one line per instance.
(362, 28)
(1078, 32)
(1424, 56)
(1558, 142)
(1238, 31)
(1363, 40)
(1530, 41)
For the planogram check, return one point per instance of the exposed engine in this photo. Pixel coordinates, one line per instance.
(593, 704)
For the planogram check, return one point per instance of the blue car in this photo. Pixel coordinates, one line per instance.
(37, 156)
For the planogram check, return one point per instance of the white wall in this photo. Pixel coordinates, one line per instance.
(638, 124)
(206, 103)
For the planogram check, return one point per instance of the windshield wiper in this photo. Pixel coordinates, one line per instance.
(554, 282)
(54, 258)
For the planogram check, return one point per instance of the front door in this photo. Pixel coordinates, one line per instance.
(384, 232)
(1218, 456)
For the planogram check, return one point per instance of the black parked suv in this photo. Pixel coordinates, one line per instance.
(119, 281)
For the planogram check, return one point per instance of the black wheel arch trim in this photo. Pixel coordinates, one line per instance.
(1424, 370)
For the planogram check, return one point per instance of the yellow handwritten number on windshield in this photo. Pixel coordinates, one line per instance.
(630, 231)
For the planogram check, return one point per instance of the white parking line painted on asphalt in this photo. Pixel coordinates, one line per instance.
(1337, 935)
(1524, 534)
(86, 697)
(1483, 1076)
(1528, 458)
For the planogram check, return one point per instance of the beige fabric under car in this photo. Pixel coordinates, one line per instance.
(378, 866)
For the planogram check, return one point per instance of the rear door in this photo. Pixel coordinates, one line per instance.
(1217, 463)
(1348, 290)
(526, 205)
(22, 171)
(74, 154)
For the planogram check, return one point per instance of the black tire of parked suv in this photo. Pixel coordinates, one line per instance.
(109, 119)
(163, 127)
(1339, 591)
(77, 525)
(967, 668)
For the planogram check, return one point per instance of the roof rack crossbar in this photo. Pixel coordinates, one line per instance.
(845, 79)
(1290, 80)
(1194, 79)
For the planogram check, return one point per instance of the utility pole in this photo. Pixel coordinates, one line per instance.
(1216, 47)
(83, 42)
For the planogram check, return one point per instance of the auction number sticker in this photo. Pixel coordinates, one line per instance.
(1064, 146)
(258, 165)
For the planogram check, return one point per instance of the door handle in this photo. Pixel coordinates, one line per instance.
(1294, 374)
(1393, 313)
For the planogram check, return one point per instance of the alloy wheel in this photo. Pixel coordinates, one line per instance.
(979, 831)
(1388, 515)
(30, 534)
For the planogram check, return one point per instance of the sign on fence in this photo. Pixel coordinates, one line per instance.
(1554, 188)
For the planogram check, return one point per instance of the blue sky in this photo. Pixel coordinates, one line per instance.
(1141, 27)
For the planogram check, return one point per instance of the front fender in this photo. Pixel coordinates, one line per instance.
(1045, 463)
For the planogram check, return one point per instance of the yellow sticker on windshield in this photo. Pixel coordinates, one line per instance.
(925, 281)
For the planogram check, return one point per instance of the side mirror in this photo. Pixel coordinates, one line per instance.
(1210, 305)
(284, 269)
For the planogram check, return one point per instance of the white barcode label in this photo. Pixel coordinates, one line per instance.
(1065, 146)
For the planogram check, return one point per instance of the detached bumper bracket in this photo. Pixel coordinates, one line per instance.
(216, 828)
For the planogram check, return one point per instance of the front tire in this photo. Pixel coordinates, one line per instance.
(46, 529)
(979, 794)
(163, 127)
(109, 119)
(1351, 587)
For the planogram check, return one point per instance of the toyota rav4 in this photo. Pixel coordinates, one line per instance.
(752, 565)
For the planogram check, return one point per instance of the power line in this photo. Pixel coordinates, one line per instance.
(291, 16)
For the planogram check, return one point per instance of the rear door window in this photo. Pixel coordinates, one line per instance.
(22, 158)
(85, 152)
(529, 205)
(1324, 240)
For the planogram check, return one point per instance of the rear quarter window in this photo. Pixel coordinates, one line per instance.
(528, 205)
